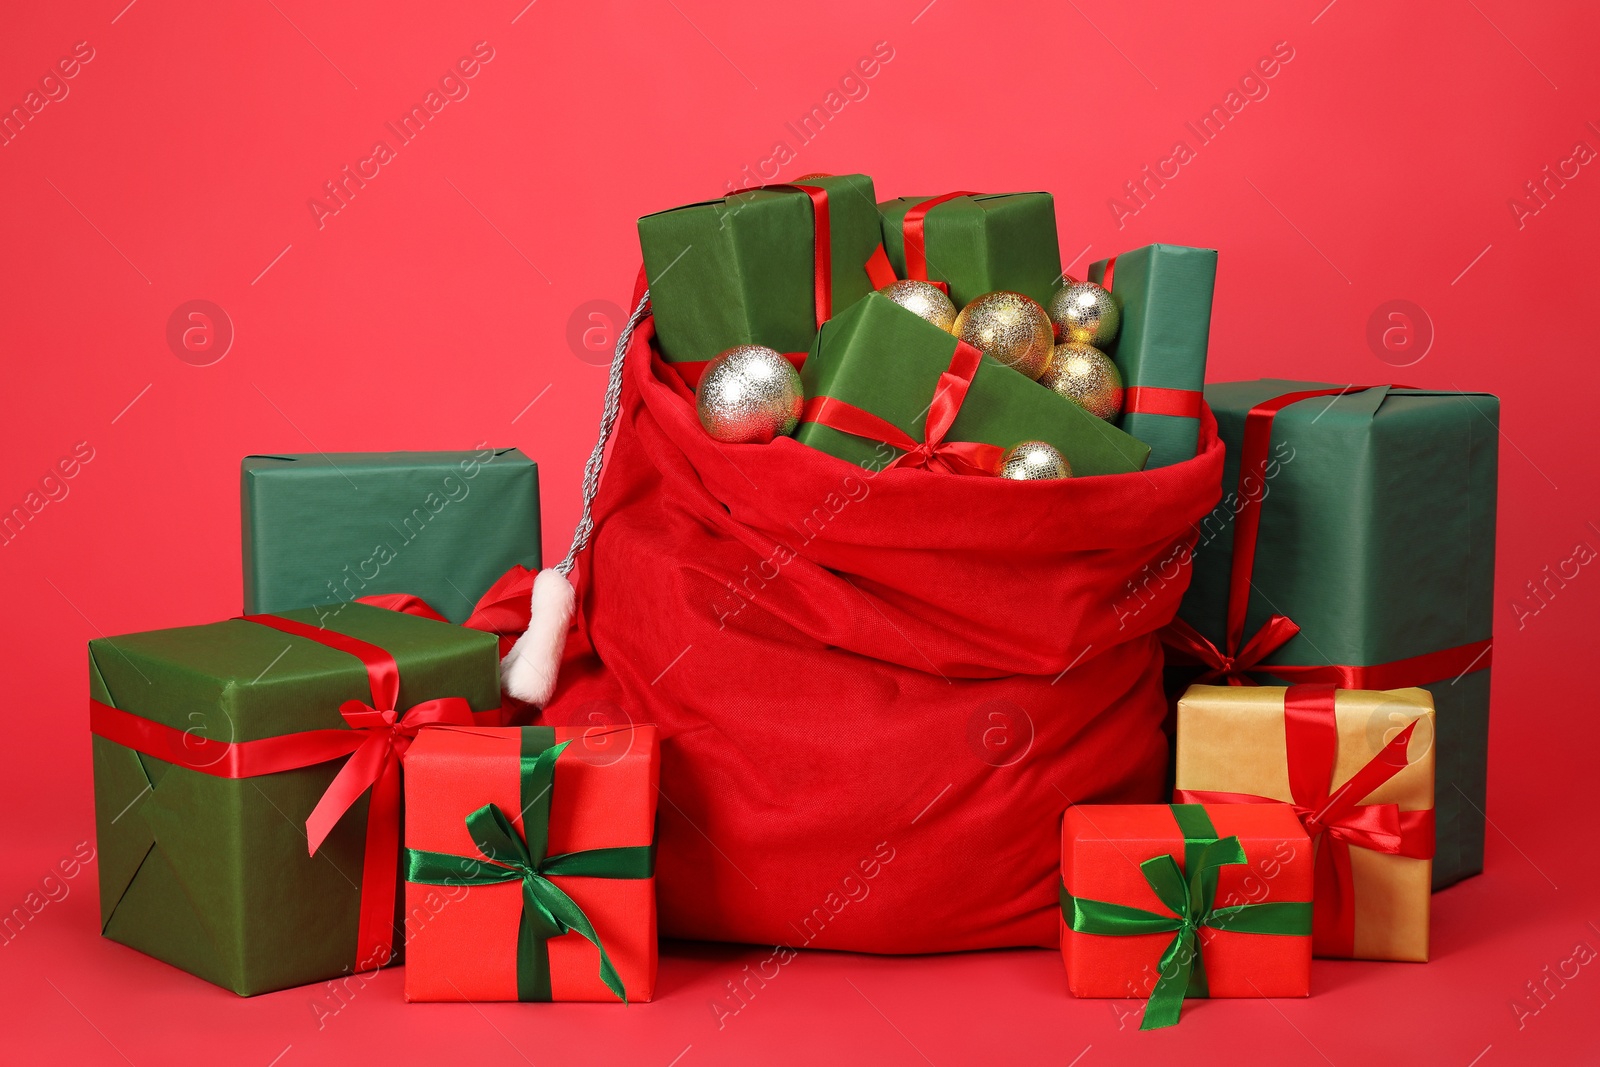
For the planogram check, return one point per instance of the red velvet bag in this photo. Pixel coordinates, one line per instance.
(876, 692)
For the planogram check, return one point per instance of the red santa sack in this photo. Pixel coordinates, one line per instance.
(876, 692)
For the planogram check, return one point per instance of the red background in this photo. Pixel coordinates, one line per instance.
(433, 311)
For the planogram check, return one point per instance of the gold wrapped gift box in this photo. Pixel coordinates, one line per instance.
(1235, 739)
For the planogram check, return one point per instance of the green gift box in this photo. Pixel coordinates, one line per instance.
(980, 243)
(1376, 513)
(211, 873)
(1164, 294)
(325, 529)
(741, 270)
(883, 359)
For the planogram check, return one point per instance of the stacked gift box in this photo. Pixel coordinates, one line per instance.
(333, 780)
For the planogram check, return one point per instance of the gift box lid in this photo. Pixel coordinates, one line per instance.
(322, 527)
(240, 681)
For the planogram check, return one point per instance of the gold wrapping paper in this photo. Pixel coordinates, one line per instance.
(1232, 739)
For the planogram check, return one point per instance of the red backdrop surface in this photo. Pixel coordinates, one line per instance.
(443, 299)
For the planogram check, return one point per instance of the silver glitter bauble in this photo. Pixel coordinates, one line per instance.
(1086, 314)
(749, 395)
(925, 300)
(1009, 327)
(1029, 461)
(1087, 377)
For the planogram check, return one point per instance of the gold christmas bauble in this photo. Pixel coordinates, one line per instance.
(749, 395)
(1086, 313)
(1009, 327)
(1029, 461)
(925, 300)
(1087, 377)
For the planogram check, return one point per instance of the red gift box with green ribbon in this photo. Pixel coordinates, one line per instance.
(1163, 902)
(530, 864)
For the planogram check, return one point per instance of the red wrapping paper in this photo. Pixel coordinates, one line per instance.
(1101, 848)
(462, 941)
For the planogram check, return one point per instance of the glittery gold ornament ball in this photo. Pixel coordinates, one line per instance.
(749, 395)
(925, 300)
(1030, 461)
(1009, 327)
(1087, 377)
(1086, 313)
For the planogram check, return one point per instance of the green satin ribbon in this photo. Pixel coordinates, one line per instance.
(1191, 901)
(547, 911)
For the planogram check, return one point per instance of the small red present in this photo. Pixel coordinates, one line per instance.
(530, 863)
(1167, 901)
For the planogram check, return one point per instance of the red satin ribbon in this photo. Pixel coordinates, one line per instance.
(502, 610)
(691, 371)
(821, 273)
(956, 457)
(822, 243)
(880, 272)
(1241, 656)
(915, 240)
(1337, 816)
(377, 737)
(1154, 400)
(1111, 267)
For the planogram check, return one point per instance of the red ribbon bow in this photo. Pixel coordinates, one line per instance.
(1185, 644)
(503, 609)
(1238, 656)
(933, 451)
(1337, 816)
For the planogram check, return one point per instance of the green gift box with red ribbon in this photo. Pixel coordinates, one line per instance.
(974, 243)
(331, 528)
(887, 388)
(1164, 295)
(1354, 545)
(247, 784)
(761, 266)
(530, 863)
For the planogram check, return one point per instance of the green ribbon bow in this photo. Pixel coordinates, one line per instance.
(1192, 904)
(547, 911)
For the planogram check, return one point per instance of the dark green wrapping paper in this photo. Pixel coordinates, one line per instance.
(882, 358)
(321, 529)
(739, 270)
(981, 244)
(1164, 293)
(1377, 538)
(211, 874)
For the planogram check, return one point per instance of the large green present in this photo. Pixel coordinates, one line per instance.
(213, 748)
(1164, 295)
(976, 243)
(326, 529)
(879, 359)
(743, 269)
(1355, 546)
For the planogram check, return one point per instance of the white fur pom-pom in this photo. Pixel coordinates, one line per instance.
(529, 670)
